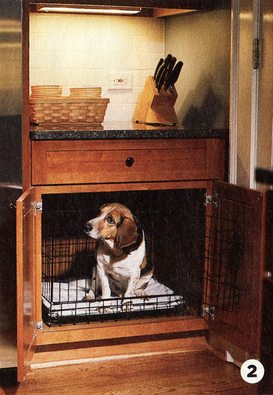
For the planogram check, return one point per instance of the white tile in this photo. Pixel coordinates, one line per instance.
(120, 96)
(116, 112)
(82, 50)
(140, 77)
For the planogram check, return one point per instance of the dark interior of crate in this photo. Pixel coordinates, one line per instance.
(174, 222)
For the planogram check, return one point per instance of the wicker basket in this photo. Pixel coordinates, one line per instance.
(46, 90)
(68, 110)
(87, 92)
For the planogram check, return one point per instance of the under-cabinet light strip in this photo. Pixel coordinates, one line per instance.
(91, 10)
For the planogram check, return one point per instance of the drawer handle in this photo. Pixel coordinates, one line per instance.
(129, 161)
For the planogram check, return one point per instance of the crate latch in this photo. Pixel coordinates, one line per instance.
(211, 199)
(38, 207)
(208, 311)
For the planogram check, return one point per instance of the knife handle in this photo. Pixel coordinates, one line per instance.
(162, 69)
(161, 60)
(170, 66)
(162, 80)
(173, 77)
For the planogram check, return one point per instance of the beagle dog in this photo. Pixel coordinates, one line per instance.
(122, 268)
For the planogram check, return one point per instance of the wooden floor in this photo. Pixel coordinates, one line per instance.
(8, 348)
(185, 373)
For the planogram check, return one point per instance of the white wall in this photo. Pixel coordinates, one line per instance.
(202, 41)
(75, 50)
(79, 50)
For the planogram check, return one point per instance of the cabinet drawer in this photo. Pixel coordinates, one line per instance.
(79, 162)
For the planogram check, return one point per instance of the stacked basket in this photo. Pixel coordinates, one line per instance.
(83, 106)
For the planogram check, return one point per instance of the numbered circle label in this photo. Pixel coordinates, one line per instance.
(252, 371)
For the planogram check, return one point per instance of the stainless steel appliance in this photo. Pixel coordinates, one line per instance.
(10, 169)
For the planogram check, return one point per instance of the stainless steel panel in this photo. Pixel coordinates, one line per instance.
(8, 197)
(10, 169)
(11, 57)
(10, 90)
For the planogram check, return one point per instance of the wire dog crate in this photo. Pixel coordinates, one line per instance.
(224, 260)
(196, 262)
(64, 294)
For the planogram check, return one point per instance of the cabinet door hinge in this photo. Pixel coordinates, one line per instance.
(208, 311)
(38, 207)
(39, 325)
(256, 54)
(211, 199)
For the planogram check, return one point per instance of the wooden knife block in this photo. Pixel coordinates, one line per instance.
(154, 107)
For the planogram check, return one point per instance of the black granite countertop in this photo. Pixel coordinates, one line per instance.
(119, 131)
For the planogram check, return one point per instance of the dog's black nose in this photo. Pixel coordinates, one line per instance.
(88, 227)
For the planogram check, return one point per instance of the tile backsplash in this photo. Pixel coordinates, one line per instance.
(84, 50)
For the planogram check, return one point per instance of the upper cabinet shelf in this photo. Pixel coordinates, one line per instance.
(169, 4)
(156, 8)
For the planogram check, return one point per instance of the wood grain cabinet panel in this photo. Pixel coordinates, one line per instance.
(81, 162)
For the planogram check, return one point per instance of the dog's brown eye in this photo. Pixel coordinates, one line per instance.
(110, 220)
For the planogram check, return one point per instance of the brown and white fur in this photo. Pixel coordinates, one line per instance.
(122, 267)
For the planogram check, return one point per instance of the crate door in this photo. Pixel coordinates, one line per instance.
(26, 332)
(234, 269)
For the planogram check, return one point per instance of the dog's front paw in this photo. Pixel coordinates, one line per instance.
(129, 294)
(90, 296)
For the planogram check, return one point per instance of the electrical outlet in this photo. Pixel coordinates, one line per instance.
(120, 81)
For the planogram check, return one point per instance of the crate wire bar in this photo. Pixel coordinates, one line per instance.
(224, 260)
(113, 308)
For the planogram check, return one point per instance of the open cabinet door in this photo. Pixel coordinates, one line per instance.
(235, 271)
(266, 385)
(26, 278)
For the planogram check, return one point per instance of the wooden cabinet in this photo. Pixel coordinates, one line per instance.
(231, 308)
(27, 280)
(109, 166)
(83, 162)
(266, 385)
(239, 220)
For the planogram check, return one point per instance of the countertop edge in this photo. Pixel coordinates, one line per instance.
(43, 135)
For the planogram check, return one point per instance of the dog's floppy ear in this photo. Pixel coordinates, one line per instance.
(126, 234)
